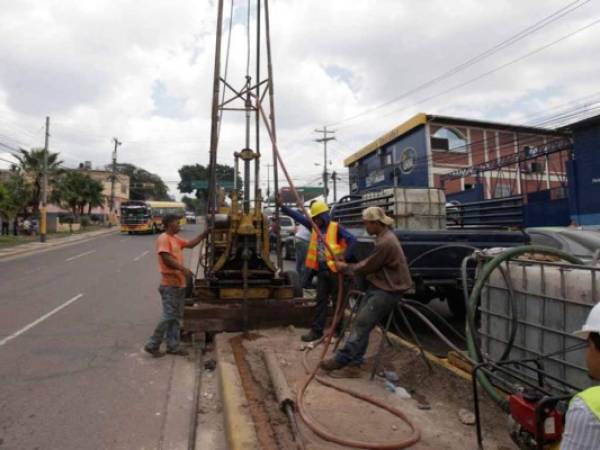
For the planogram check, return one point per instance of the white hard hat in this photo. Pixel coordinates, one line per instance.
(592, 324)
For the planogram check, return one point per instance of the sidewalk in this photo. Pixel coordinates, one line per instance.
(38, 247)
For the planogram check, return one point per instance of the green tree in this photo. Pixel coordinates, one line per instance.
(31, 163)
(197, 172)
(144, 185)
(15, 194)
(94, 195)
(74, 190)
(193, 204)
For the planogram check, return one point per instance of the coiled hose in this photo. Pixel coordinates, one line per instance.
(474, 300)
(316, 427)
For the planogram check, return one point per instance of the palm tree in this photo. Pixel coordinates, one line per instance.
(31, 163)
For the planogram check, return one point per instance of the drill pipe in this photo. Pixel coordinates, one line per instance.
(283, 393)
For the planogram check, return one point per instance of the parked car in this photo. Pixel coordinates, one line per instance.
(287, 228)
(190, 217)
(581, 243)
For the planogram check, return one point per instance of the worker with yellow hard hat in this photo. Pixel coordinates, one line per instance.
(321, 261)
(582, 428)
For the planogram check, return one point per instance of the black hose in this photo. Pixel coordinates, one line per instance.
(441, 247)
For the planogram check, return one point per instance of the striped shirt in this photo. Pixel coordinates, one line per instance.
(582, 431)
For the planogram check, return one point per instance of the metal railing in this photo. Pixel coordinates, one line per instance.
(504, 212)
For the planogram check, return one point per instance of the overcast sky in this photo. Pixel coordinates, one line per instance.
(142, 71)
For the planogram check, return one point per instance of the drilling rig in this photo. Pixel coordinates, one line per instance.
(240, 288)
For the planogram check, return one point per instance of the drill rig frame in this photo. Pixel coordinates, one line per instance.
(241, 288)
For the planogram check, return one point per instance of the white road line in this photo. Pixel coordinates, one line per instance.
(80, 255)
(137, 258)
(41, 319)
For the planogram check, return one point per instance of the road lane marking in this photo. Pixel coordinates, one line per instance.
(40, 320)
(80, 255)
(137, 258)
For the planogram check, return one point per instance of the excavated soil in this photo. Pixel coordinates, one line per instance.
(437, 397)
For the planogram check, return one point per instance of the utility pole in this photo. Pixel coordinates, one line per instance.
(44, 211)
(334, 178)
(324, 140)
(113, 178)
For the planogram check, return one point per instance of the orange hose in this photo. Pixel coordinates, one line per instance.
(317, 428)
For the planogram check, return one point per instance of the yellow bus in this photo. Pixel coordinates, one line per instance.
(138, 216)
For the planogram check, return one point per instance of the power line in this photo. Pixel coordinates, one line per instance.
(498, 68)
(474, 60)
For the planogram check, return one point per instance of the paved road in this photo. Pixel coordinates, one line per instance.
(72, 324)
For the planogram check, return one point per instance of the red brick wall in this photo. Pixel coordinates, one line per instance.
(477, 148)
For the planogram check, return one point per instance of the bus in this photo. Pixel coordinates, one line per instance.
(138, 216)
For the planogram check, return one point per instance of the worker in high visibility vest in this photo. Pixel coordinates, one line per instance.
(582, 430)
(322, 261)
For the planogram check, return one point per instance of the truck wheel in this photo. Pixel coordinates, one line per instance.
(293, 278)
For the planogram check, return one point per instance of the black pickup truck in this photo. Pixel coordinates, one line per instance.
(437, 273)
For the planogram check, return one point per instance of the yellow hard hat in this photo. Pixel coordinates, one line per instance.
(317, 208)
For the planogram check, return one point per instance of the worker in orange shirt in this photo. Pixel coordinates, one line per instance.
(174, 275)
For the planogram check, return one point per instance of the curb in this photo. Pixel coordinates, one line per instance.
(48, 246)
(239, 426)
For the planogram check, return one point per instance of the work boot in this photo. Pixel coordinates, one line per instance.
(312, 335)
(349, 371)
(309, 293)
(179, 352)
(153, 351)
(330, 364)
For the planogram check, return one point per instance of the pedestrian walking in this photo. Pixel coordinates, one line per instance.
(301, 241)
(174, 275)
(388, 275)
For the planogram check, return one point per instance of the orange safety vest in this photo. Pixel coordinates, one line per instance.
(338, 248)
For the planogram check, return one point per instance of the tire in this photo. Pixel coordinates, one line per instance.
(154, 229)
(293, 278)
(130, 232)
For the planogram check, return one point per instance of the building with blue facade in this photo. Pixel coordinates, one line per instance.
(554, 173)
(584, 172)
(420, 151)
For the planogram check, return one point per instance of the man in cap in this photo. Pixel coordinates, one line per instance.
(321, 261)
(582, 431)
(174, 276)
(387, 272)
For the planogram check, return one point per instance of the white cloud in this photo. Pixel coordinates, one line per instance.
(94, 67)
